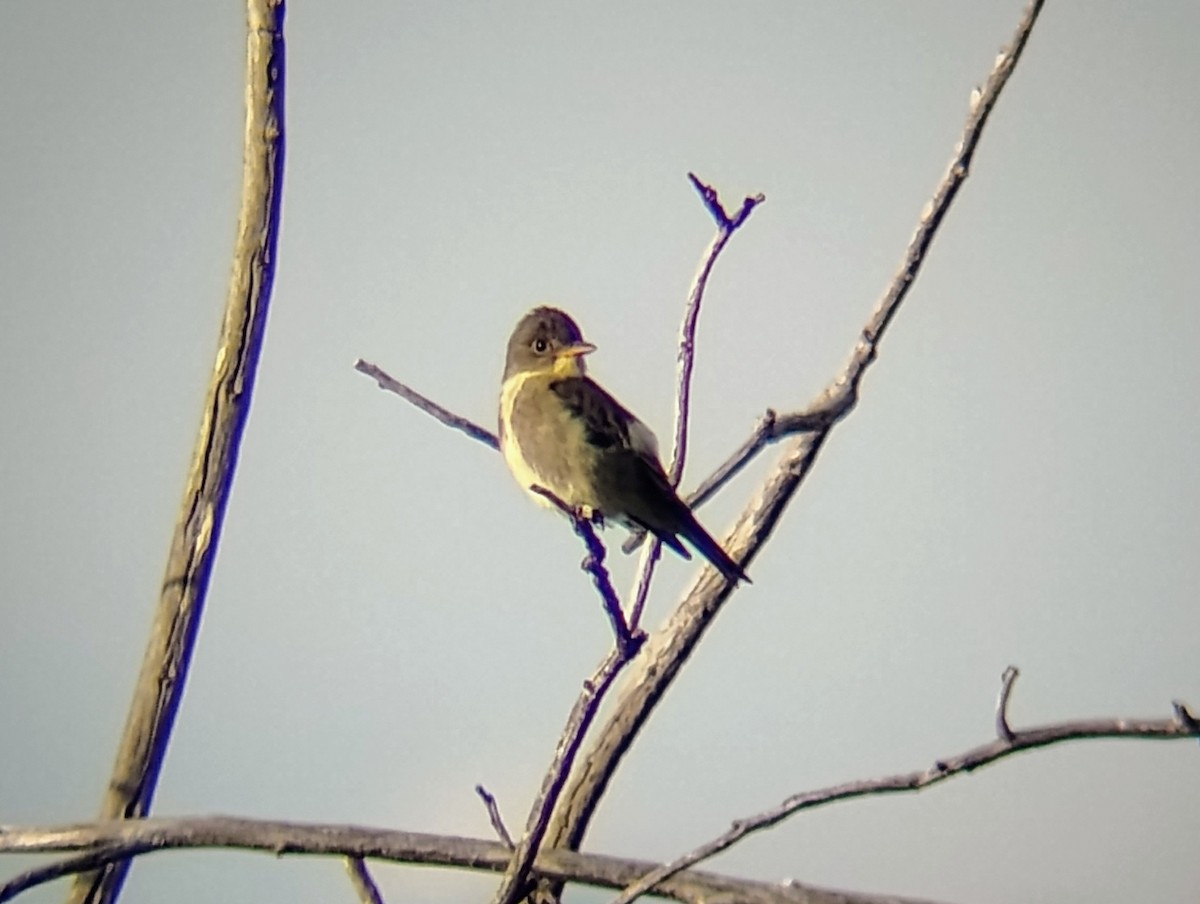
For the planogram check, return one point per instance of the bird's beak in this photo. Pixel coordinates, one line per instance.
(576, 350)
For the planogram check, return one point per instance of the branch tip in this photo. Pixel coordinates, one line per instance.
(493, 811)
(1007, 680)
(1185, 717)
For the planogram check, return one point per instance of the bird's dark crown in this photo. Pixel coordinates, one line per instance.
(538, 339)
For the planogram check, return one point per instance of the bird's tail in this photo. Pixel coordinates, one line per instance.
(695, 534)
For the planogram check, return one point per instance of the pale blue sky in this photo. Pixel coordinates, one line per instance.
(391, 622)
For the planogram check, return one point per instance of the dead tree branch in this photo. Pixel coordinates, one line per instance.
(726, 226)
(107, 842)
(168, 654)
(1007, 743)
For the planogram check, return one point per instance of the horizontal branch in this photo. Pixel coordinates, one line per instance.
(107, 842)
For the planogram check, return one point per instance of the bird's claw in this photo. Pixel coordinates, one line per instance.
(590, 515)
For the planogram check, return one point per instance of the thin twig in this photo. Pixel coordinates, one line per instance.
(706, 597)
(686, 360)
(645, 574)
(164, 671)
(1007, 680)
(593, 563)
(363, 882)
(447, 417)
(493, 812)
(967, 761)
(771, 428)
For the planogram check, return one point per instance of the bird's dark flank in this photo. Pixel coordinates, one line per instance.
(561, 431)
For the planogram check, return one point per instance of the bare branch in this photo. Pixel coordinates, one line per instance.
(513, 885)
(107, 842)
(593, 563)
(1007, 680)
(726, 227)
(363, 882)
(645, 574)
(164, 670)
(677, 641)
(968, 761)
(446, 416)
(691, 315)
(585, 709)
(771, 428)
(493, 811)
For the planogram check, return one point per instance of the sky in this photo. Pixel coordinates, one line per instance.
(391, 622)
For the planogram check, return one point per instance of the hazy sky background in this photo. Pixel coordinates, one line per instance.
(391, 622)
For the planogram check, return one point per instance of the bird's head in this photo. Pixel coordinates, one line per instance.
(546, 341)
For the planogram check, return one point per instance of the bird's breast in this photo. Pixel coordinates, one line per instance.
(542, 442)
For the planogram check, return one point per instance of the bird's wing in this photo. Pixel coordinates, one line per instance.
(633, 482)
(607, 422)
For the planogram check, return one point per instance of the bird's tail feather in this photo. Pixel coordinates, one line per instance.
(695, 534)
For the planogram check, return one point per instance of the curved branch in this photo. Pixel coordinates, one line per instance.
(1008, 742)
(107, 842)
(726, 227)
(168, 654)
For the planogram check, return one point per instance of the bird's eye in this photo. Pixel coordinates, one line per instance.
(540, 345)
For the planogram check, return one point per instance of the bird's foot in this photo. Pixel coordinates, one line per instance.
(589, 514)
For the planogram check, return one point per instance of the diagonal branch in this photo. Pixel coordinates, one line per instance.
(771, 428)
(430, 407)
(494, 817)
(584, 712)
(627, 641)
(517, 872)
(1008, 742)
(704, 600)
(363, 882)
(164, 671)
(726, 227)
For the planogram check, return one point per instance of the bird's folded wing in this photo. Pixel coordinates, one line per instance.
(606, 422)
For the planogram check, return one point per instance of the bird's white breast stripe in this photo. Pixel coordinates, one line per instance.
(509, 447)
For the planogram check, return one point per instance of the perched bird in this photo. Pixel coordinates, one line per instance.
(559, 430)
